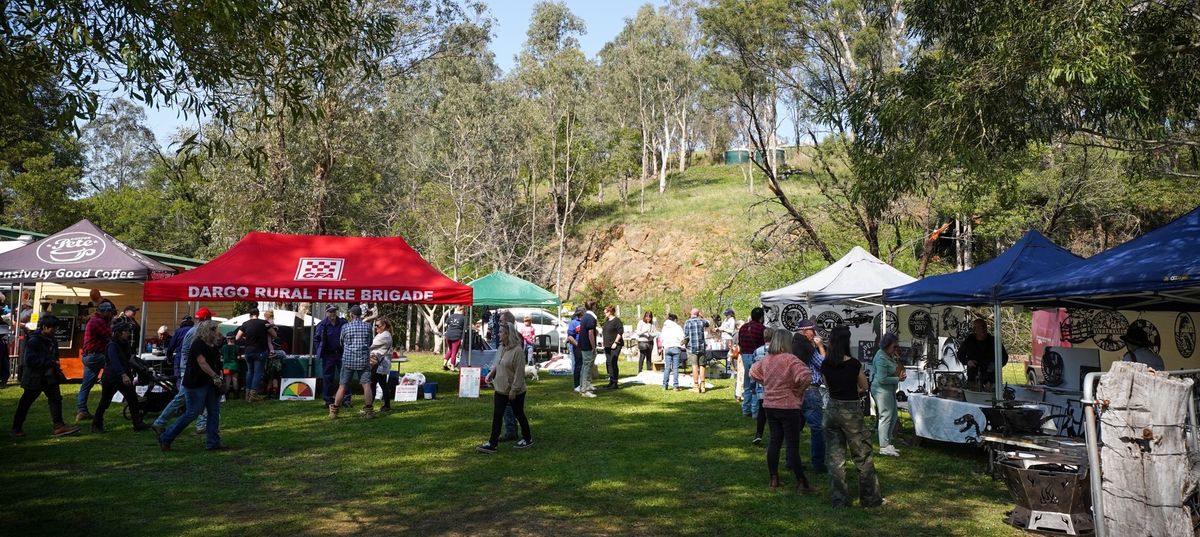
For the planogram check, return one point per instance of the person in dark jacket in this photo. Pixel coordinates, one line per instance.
(118, 377)
(41, 374)
(327, 340)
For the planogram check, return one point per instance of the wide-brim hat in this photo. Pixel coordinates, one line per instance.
(1137, 336)
(806, 324)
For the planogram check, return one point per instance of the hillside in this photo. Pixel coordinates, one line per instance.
(696, 244)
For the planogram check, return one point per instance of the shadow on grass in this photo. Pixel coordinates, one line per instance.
(635, 461)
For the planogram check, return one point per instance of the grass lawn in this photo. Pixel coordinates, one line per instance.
(636, 461)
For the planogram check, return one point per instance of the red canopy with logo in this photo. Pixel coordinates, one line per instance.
(314, 268)
(80, 253)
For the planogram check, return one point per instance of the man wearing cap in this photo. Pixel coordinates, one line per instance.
(812, 406)
(749, 338)
(41, 374)
(96, 335)
(135, 335)
(1138, 347)
(356, 344)
(327, 341)
(978, 352)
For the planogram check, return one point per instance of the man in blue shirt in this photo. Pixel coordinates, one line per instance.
(328, 346)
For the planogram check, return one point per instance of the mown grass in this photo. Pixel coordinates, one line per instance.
(636, 461)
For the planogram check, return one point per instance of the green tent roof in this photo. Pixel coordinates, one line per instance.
(504, 289)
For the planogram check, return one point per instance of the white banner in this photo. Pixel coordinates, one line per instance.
(407, 392)
(468, 382)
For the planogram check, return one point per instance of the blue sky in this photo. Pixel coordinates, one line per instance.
(604, 20)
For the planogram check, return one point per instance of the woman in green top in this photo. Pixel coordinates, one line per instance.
(886, 373)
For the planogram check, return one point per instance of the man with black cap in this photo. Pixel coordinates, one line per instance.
(135, 334)
(328, 345)
(118, 378)
(1138, 347)
(585, 341)
(41, 374)
(96, 335)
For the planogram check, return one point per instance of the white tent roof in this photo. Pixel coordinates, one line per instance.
(857, 274)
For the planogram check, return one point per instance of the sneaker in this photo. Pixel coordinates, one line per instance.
(577, 389)
(889, 451)
(486, 448)
(83, 415)
(588, 394)
(62, 429)
(757, 440)
(385, 409)
(522, 444)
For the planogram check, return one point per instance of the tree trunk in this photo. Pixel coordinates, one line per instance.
(683, 139)
(666, 155)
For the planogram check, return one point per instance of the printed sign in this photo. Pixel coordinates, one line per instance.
(70, 248)
(407, 392)
(298, 389)
(468, 382)
(319, 269)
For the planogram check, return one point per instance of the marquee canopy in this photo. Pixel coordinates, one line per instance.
(1032, 255)
(1156, 271)
(503, 289)
(857, 274)
(80, 253)
(314, 268)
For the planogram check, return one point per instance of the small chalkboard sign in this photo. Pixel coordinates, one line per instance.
(65, 332)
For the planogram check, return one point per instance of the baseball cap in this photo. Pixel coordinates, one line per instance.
(580, 310)
(106, 307)
(728, 311)
(131, 308)
(204, 314)
(330, 308)
(47, 321)
(355, 311)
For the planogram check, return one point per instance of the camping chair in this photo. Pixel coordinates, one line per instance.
(542, 348)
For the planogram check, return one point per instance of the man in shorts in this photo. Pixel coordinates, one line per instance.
(356, 345)
(694, 329)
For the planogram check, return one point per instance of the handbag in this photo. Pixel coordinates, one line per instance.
(644, 346)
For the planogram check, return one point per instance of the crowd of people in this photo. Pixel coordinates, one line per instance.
(786, 381)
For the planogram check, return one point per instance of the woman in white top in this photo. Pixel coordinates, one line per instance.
(645, 335)
(381, 362)
(672, 342)
(728, 328)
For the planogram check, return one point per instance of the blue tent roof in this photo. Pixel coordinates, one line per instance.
(1030, 256)
(1156, 271)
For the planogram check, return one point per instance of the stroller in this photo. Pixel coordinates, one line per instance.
(159, 390)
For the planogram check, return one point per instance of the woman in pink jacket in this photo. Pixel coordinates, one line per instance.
(784, 379)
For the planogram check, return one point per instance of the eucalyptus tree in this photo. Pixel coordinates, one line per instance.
(556, 79)
(118, 146)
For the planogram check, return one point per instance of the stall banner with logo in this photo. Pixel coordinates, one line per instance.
(468, 382)
(301, 389)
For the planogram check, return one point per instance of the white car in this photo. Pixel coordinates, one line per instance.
(544, 322)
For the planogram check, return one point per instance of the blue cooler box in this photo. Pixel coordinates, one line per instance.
(430, 390)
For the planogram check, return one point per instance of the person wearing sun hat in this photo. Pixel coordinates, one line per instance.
(1138, 347)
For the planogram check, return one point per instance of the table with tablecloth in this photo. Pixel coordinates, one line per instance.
(961, 422)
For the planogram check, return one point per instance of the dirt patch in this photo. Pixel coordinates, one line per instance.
(642, 260)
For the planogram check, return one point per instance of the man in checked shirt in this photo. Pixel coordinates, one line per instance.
(356, 343)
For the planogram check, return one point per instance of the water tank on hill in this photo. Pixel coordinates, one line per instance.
(780, 159)
(735, 157)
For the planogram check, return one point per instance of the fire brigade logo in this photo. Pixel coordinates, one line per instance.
(70, 248)
(319, 268)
